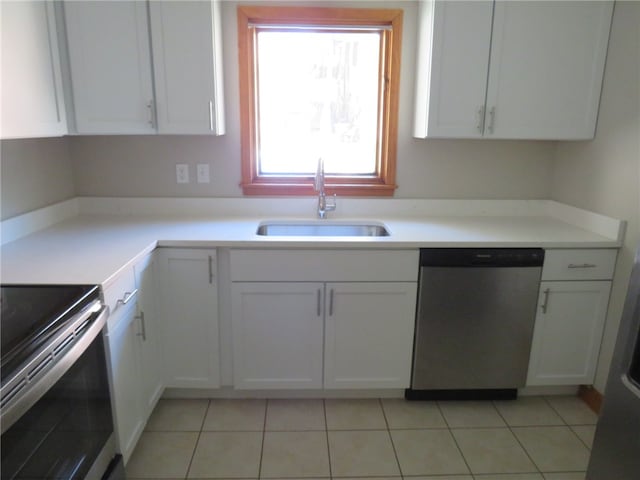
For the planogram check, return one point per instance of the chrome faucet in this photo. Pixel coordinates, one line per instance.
(324, 204)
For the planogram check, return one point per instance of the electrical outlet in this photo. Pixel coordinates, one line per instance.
(202, 171)
(182, 173)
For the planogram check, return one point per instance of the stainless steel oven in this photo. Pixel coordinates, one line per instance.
(55, 405)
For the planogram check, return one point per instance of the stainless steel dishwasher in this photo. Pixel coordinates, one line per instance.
(474, 322)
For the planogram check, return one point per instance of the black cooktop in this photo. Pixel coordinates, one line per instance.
(31, 314)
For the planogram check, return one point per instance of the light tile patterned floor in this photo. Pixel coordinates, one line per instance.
(532, 438)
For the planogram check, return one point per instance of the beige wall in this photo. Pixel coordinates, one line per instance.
(145, 166)
(604, 175)
(35, 173)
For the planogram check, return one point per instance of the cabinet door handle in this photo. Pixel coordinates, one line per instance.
(319, 307)
(127, 297)
(143, 327)
(211, 115)
(210, 269)
(480, 119)
(152, 116)
(583, 265)
(331, 302)
(492, 119)
(545, 302)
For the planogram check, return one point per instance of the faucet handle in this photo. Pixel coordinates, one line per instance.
(330, 204)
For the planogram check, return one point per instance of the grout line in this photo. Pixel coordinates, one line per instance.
(264, 433)
(393, 445)
(526, 452)
(193, 454)
(326, 431)
(579, 437)
(564, 422)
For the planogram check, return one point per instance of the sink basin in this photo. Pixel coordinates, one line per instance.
(322, 229)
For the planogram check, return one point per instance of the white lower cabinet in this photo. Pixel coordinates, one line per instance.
(126, 372)
(369, 334)
(277, 335)
(148, 336)
(189, 305)
(301, 320)
(568, 332)
(134, 352)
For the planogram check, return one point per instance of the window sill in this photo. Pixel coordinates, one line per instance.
(307, 189)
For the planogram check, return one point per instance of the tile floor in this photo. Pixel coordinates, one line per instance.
(532, 438)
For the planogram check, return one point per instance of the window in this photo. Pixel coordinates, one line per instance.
(319, 83)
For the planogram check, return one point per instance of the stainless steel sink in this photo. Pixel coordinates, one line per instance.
(322, 229)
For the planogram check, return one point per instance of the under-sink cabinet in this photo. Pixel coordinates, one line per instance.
(188, 301)
(510, 70)
(572, 309)
(322, 319)
(134, 360)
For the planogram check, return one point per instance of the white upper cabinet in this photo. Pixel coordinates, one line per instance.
(110, 63)
(451, 86)
(118, 50)
(32, 101)
(187, 60)
(511, 70)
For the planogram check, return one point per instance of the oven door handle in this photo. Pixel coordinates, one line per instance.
(34, 381)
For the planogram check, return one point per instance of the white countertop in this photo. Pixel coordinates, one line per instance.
(92, 249)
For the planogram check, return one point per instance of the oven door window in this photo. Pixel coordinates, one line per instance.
(63, 433)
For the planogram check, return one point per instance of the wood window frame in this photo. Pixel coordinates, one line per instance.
(382, 183)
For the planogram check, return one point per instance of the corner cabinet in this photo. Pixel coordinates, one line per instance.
(296, 324)
(189, 306)
(32, 101)
(572, 309)
(510, 70)
(119, 50)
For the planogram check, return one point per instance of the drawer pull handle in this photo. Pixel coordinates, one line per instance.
(545, 302)
(583, 265)
(127, 297)
(319, 307)
(210, 269)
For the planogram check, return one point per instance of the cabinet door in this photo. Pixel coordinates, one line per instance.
(110, 61)
(125, 378)
(151, 366)
(190, 317)
(187, 58)
(32, 101)
(277, 335)
(568, 332)
(546, 68)
(453, 59)
(369, 334)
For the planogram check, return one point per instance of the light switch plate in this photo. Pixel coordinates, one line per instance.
(202, 171)
(182, 173)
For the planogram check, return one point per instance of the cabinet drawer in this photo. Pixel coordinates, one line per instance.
(324, 265)
(122, 289)
(580, 264)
